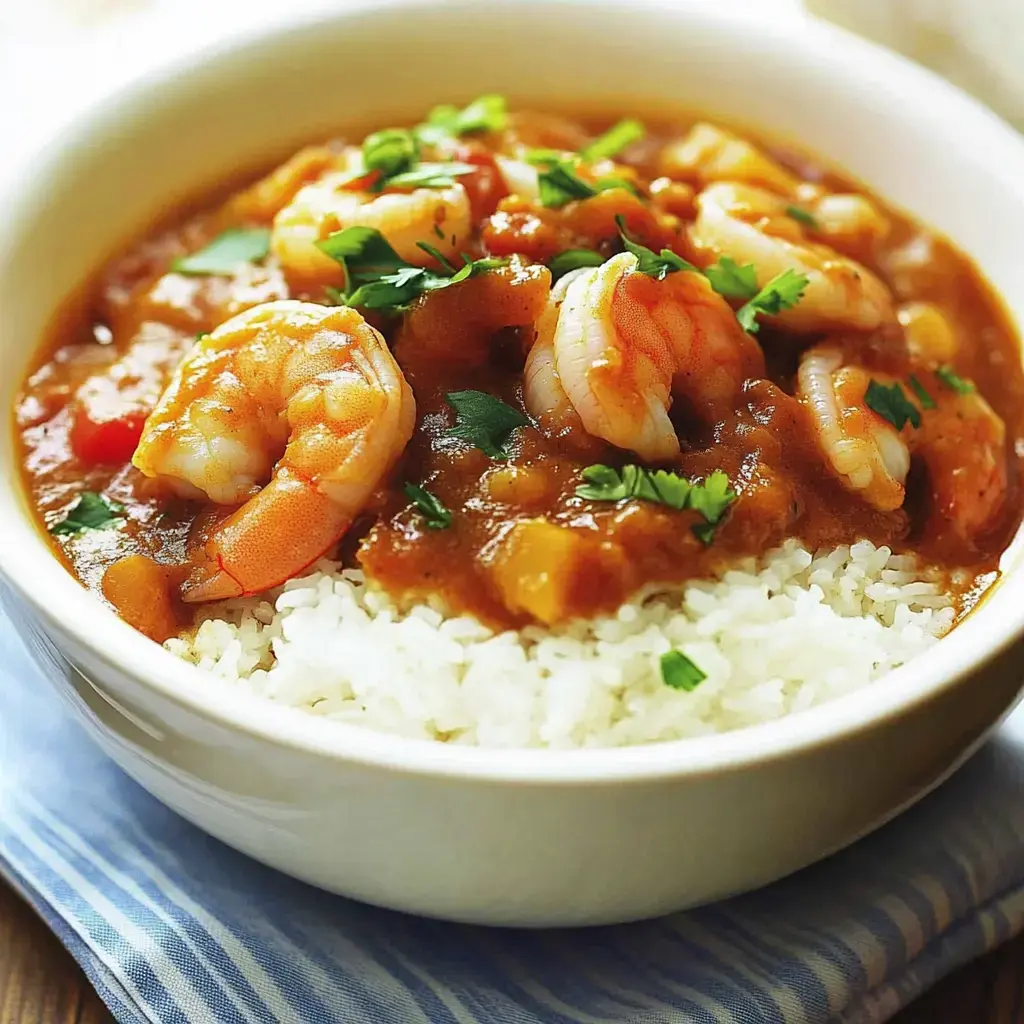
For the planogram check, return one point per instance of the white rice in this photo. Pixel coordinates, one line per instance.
(775, 635)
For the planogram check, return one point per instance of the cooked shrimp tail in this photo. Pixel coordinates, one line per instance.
(305, 399)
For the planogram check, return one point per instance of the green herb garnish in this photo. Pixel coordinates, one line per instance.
(617, 138)
(679, 672)
(484, 421)
(710, 497)
(573, 259)
(89, 511)
(559, 184)
(485, 114)
(892, 404)
(656, 265)
(430, 175)
(805, 217)
(390, 151)
(954, 382)
(429, 506)
(782, 292)
(731, 280)
(378, 278)
(226, 252)
(926, 400)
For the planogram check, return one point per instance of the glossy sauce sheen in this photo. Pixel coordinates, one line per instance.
(449, 343)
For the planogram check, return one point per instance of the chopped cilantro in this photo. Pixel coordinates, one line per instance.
(378, 278)
(617, 138)
(926, 400)
(892, 404)
(802, 216)
(656, 265)
(679, 672)
(484, 421)
(782, 292)
(573, 259)
(953, 382)
(89, 511)
(710, 497)
(559, 184)
(224, 254)
(429, 506)
(430, 175)
(485, 114)
(731, 280)
(390, 151)
(438, 232)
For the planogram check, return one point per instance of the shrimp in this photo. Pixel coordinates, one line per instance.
(865, 451)
(962, 443)
(960, 440)
(308, 397)
(751, 225)
(441, 216)
(542, 390)
(624, 343)
(709, 153)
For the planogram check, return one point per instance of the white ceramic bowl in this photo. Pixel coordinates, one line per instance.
(506, 837)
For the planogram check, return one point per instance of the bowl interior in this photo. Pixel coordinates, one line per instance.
(916, 141)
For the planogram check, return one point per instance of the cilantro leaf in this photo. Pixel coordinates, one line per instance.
(782, 292)
(484, 421)
(430, 175)
(559, 184)
(617, 138)
(731, 280)
(926, 400)
(710, 497)
(656, 265)
(679, 672)
(224, 254)
(390, 151)
(892, 404)
(89, 511)
(378, 278)
(572, 259)
(802, 216)
(488, 113)
(953, 382)
(435, 515)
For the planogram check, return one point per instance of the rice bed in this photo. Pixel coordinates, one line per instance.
(774, 635)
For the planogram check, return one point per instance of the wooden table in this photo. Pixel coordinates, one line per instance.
(41, 984)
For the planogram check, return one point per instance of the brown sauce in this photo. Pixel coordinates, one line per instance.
(120, 343)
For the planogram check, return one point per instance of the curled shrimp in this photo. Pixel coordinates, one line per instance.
(960, 440)
(304, 396)
(864, 450)
(752, 226)
(442, 215)
(625, 343)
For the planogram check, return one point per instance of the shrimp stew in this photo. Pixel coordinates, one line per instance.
(523, 367)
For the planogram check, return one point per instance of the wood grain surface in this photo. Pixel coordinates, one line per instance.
(41, 984)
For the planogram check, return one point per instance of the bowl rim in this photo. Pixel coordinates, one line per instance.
(64, 607)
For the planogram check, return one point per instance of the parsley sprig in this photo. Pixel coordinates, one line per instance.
(613, 141)
(891, 403)
(89, 511)
(710, 497)
(488, 113)
(429, 506)
(226, 252)
(679, 672)
(484, 421)
(378, 278)
(954, 382)
(783, 291)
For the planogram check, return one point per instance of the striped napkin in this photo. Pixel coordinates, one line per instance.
(172, 926)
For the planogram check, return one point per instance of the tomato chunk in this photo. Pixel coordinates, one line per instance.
(97, 439)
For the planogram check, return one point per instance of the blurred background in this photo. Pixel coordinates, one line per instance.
(55, 54)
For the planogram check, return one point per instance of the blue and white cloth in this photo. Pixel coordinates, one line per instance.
(172, 926)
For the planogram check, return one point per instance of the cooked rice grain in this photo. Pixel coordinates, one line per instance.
(774, 635)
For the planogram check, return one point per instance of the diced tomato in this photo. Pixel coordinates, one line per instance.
(109, 440)
(485, 185)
